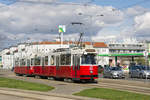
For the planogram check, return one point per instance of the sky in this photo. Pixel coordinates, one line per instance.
(102, 20)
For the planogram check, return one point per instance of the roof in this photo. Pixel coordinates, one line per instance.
(100, 44)
(47, 42)
(95, 44)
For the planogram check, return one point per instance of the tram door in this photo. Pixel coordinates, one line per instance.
(57, 66)
(76, 66)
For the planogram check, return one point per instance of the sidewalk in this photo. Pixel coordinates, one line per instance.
(40, 95)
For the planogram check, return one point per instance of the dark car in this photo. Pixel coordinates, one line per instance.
(113, 72)
(139, 71)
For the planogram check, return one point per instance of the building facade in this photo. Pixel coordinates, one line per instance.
(126, 47)
(41, 48)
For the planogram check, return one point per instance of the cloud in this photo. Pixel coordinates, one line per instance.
(41, 21)
(136, 10)
(142, 25)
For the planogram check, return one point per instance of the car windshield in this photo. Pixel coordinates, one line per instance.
(116, 68)
(88, 59)
(145, 68)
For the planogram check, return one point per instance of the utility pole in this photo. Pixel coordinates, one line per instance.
(62, 29)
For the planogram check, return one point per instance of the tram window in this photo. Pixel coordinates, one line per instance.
(68, 59)
(20, 62)
(52, 60)
(28, 62)
(46, 60)
(23, 63)
(32, 61)
(37, 61)
(63, 59)
(88, 59)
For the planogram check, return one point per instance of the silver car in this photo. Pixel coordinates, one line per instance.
(113, 72)
(139, 71)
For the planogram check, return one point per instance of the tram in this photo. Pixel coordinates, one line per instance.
(23, 66)
(76, 64)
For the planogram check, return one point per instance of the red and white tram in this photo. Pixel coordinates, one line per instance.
(64, 63)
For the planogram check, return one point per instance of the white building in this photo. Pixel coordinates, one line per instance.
(6, 58)
(128, 46)
(26, 50)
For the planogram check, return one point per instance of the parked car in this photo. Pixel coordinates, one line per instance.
(139, 71)
(113, 72)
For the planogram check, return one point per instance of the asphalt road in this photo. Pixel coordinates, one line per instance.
(10, 97)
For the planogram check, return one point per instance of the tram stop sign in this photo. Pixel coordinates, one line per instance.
(145, 53)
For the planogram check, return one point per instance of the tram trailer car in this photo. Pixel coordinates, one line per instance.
(74, 64)
(23, 67)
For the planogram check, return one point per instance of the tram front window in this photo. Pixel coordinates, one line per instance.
(88, 59)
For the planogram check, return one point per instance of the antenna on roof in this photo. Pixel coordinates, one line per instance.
(80, 40)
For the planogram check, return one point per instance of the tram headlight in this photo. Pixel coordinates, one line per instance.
(91, 71)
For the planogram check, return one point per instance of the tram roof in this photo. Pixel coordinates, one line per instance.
(124, 54)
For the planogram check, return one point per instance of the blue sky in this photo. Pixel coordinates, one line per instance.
(120, 4)
(8, 2)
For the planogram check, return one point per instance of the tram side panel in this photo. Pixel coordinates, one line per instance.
(49, 71)
(63, 72)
